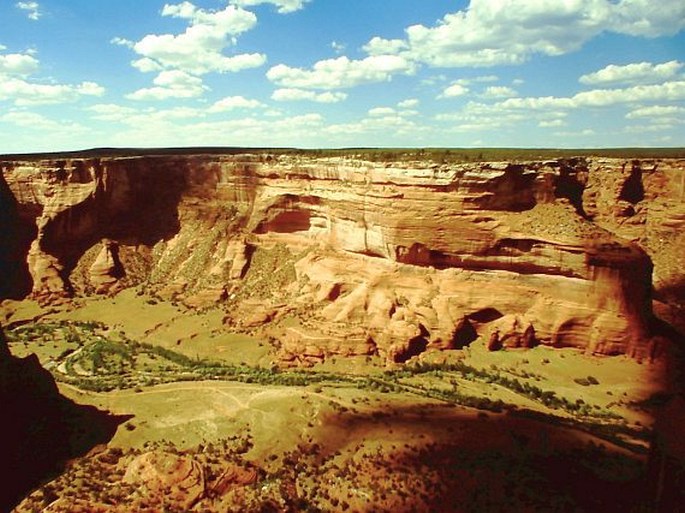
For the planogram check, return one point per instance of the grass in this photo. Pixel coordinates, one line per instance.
(93, 358)
(352, 434)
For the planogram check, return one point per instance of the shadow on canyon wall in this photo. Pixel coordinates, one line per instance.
(41, 430)
(133, 203)
(16, 234)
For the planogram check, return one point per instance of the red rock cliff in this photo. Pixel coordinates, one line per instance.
(388, 258)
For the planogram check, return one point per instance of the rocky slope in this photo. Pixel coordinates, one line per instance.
(344, 256)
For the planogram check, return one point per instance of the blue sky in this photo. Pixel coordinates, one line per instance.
(76, 74)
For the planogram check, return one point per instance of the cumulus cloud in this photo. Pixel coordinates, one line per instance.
(636, 73)
(509, 32)
(480, 117)
(284, 6)
(20, 64)
(381, 111)
(165, 127)
(32, 9)
(380, 46)
(121, 41)
(499, 92)
(235, 102)
(454, 91)
(112, 112)
(30, 120)
(551, 123)
(409, 103)
(293, 94)
(656, 111)
(198, 50)
(171, 84)
(22, 92)
(668, 91)
(341, 72)
(377, 124)
(17, 86)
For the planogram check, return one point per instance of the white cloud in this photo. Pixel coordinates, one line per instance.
(656, 111)
(17, 64)
(341, 72)
(605, 97)
(636, 73)
(168, 126)
(29, 120)
(338, 47)
(454, 91)
(668, 91)
(112, 112)
(23, 93)
(377, 124)
(141, 117)
(409, 103)
(576, 133)
(551, 123)
(293, 94)
(235, 102)
(120, 41)
(146, 65)
(508, 32)
(15, 86)
(284, 6)
(171, 84)
(380, 46)
(199, 49)
(382, 111)
(499, 92)
(32, 9)
(90, 89)
(481, 117)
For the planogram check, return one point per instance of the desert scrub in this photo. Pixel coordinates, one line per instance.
(269, 272)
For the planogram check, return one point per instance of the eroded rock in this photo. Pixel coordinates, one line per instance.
(406, 255)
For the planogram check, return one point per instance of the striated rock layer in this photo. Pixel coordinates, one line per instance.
(344, 256)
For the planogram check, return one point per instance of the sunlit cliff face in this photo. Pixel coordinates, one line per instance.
(403, 256)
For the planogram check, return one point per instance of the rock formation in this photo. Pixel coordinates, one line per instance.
(387, 258)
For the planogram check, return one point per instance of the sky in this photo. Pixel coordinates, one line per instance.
(77, 74)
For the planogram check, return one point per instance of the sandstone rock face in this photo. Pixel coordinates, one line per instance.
(179, 478)
(362, 257)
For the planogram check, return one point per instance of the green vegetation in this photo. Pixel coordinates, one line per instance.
(104, 363)
(91, 357)
(586, 382)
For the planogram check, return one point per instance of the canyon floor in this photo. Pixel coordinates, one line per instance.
(345, 331)
(212, 423)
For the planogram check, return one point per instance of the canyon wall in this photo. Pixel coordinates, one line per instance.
(344, 256)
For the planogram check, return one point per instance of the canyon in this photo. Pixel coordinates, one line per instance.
(220, 331)
(370, 258)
